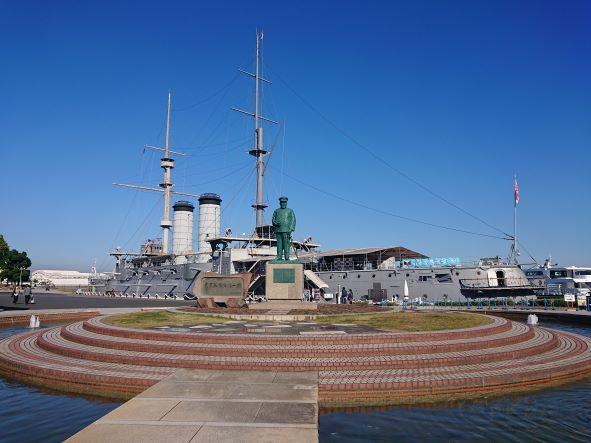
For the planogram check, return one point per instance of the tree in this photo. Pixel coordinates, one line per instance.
(3, 249)
(14, 265)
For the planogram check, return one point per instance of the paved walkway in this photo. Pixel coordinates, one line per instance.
(215, 406)
(51, 300)
(102, 311)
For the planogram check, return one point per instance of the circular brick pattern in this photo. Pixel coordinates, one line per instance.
(357, 368)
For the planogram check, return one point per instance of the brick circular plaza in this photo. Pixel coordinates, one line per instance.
(355, 368)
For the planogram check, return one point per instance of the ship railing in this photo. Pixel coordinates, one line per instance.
(555, 289)
(506, 282)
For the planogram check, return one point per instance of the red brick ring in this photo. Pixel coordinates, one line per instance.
(354, 369)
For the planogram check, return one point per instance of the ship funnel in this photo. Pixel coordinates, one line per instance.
(182, 242)
(209, 222)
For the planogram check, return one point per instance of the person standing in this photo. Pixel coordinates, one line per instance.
(344, 296)
(27, 294)
(15, 294)
(350, 296)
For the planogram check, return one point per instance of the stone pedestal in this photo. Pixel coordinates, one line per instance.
(284, 281)
(212, 289)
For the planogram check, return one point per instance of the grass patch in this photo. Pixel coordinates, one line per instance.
(161, 318)
(411, 321)
(391, 321)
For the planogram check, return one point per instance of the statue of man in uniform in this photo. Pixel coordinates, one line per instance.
(284, 222)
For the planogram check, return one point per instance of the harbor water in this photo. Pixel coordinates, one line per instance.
(28, 414)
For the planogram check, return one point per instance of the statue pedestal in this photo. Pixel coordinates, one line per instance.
(284, 281)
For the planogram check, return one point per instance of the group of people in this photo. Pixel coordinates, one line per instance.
(27, 293)
(309, 295)
(346, 296)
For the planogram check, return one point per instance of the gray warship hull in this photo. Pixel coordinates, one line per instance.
(430, 284)
(152, 278)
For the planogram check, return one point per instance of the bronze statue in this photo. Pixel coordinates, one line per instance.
(284, 222)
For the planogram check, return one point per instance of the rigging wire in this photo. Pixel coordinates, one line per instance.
(218, 153)
(220, 177)
(282, 157)
(143, 170)
(384, 161)
(209, 118)
(210, 97)
(527, 252)
(391, 214)
(272, 149)
(158, 201)
(209, 145)
(241, 187)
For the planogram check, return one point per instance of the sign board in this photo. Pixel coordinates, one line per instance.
(218, 286)
(569, 297)
(432, 262)
(283, 275)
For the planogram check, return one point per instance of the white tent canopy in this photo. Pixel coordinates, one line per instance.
(315, 280)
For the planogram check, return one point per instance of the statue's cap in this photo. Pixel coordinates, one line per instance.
(283, 199)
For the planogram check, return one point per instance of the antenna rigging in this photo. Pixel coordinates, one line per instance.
(385, 162)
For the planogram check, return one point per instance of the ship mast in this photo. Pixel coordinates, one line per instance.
(258, 151)
(514, 255)
(167, 164)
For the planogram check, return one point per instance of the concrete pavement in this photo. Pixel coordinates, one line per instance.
(50, 300)
(216, 406)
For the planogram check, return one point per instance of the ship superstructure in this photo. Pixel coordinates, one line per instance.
(561, 281)
(382, 273)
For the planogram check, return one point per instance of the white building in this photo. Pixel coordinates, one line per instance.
(60, 278)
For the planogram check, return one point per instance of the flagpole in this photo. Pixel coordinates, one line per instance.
(515, 200)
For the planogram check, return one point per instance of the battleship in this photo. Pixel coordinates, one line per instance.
(378, 274)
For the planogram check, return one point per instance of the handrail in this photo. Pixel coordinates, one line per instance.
(494, 282)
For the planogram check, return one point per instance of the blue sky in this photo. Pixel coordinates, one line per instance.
(458, 95)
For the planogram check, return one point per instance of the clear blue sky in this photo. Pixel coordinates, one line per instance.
(458, 95)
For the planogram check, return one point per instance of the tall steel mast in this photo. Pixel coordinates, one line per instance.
(166, 163)
(258, 151)
(514, 255)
